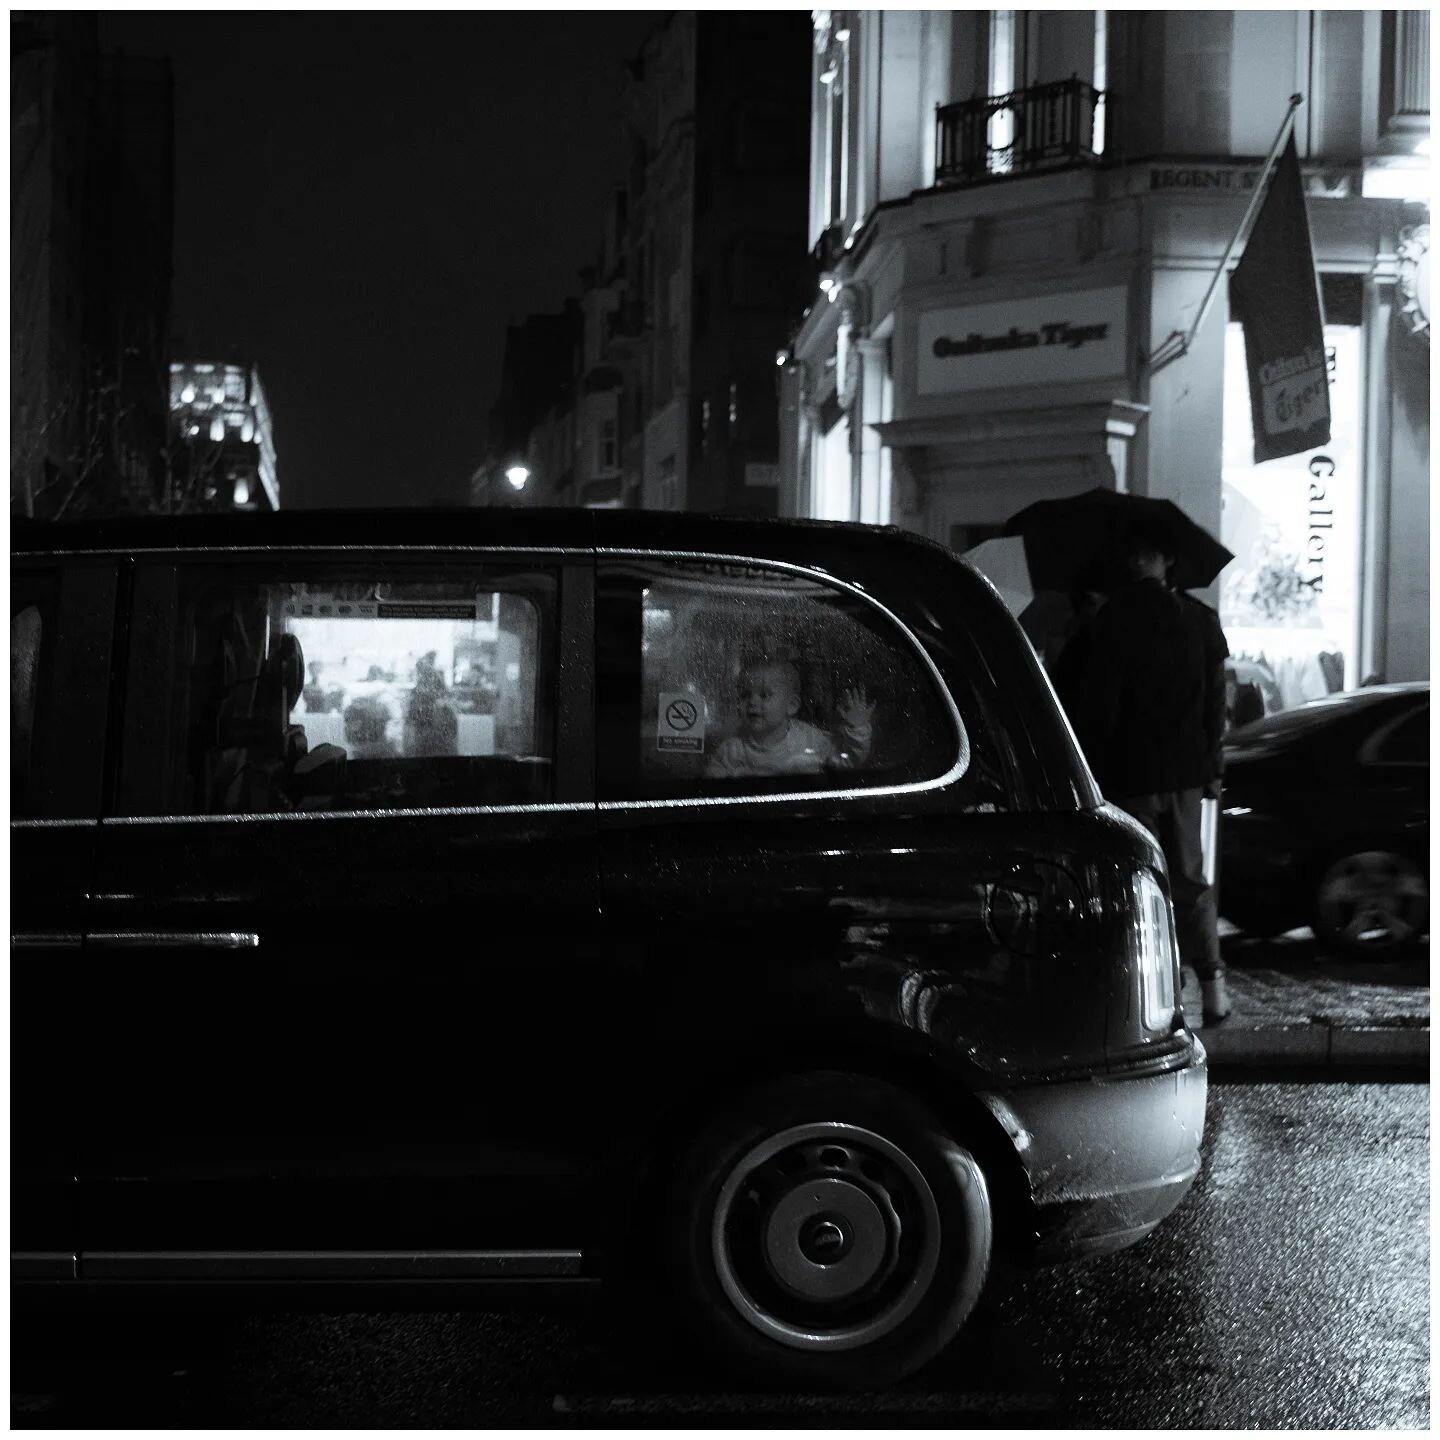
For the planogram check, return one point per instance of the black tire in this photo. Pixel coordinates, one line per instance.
(825, 1233)
(1371, 901)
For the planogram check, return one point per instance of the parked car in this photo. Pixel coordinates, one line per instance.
(787, 1012)
(1326, 820)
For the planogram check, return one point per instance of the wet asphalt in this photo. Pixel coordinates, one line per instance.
(1290, 1290)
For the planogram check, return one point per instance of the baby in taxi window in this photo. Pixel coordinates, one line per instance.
(772, 741)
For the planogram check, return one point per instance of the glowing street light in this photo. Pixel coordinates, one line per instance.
(518, 476)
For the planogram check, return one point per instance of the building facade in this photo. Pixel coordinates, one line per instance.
(222, 442)
(701, 272)
(1014, 213)
(532, 418)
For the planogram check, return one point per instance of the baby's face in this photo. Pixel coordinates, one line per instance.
(768, 700)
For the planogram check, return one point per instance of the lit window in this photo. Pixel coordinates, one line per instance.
(1097, 141)
(1001, 131)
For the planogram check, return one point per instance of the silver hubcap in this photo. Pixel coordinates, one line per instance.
(825, 1236)
(1373, 900)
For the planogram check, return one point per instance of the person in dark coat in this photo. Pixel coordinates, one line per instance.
(431, 726)
(1067, 670)
(1149, 715)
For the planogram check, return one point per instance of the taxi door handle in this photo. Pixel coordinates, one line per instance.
(172, 940)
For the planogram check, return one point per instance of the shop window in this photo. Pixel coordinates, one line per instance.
(739, 679)
(1290, 600)
(348, 690)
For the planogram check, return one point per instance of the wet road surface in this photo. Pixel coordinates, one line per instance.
(1290, 1290)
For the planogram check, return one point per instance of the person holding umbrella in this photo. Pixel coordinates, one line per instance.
(1146, 689)
(1149, 714)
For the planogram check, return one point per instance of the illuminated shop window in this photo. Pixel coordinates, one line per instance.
(1290, 599)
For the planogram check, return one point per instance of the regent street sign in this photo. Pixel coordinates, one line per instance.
(1031, 340)
(1181, 177)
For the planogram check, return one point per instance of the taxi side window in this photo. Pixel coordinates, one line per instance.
(354, 689)
(32, 623)
(743, 679)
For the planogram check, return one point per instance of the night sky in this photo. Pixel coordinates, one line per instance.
(363, 200)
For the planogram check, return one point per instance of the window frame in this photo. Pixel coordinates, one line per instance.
(565, 640)
(608, 677)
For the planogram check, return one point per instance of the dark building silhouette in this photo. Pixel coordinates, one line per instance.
(700, 276)
(91, 234)
(531, 420)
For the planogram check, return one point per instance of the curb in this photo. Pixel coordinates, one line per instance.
(1317, 1044)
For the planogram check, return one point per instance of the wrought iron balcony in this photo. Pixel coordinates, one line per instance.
(1039, 128)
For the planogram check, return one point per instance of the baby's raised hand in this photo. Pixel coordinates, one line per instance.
(856, 710)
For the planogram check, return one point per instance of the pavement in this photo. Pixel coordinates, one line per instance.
(1292, 1005)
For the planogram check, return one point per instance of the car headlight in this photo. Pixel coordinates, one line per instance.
(1152, 951)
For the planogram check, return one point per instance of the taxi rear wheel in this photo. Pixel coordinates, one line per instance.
(825, 1232)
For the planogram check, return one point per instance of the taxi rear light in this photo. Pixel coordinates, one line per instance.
(1151, 944)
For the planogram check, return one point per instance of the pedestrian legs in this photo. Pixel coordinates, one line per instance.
(1173, 818)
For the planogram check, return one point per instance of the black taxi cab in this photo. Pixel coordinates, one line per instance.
(416, 907)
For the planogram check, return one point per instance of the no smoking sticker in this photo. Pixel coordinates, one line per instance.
(681, 721)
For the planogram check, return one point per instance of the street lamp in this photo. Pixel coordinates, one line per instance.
(518, 476)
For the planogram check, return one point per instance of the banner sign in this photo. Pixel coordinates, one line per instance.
(1277, 299)
(1035, 340)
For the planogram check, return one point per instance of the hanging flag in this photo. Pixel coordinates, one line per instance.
(1278, 300)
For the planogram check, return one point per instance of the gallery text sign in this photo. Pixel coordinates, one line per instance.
(1035, 340)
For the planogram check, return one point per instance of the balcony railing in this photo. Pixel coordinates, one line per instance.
(1039, 128)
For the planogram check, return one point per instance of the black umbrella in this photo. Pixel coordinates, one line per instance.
(1077, 542)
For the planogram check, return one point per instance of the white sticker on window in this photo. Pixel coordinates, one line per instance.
(680, 722)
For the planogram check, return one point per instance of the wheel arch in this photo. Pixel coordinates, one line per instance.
(710, 1082)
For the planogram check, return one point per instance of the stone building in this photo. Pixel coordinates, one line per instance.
(979, 178)
(91, 227)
